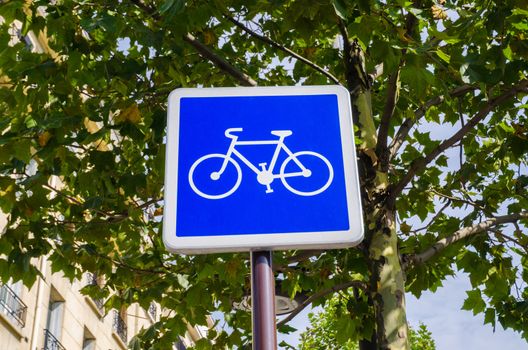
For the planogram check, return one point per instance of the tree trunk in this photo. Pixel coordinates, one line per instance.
(365, 344)
(387, 289)
(388, 285)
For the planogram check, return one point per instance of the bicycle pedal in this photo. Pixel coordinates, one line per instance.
(269, 191)
(263, 166)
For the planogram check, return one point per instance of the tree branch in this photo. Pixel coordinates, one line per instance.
(461, 234)
(347, 49)
(408, 123)
(149, 203)
(458, 199)
(77, 201)
(218, 61)
(393, 90)
(388, 112)
(127, 266)
(510, 239)
(301, 256)
(151, 12)
(320, 294)
(203, 50)
(437, 215)
(421, 163)
(282, 48)
(111, 217)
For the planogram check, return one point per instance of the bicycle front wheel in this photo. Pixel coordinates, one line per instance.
(207, 181)
(315, 178)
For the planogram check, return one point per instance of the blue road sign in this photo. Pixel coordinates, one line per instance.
(260, 168)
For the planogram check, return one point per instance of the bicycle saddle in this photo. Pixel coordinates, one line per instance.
(282, 133)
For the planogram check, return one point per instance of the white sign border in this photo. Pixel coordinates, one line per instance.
(269, 241)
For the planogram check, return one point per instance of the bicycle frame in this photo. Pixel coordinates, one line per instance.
(280, 146)
(265, 176)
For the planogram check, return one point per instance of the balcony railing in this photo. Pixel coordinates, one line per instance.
(51, 343)
(100, 304)
(12, 306)
(92, 280)
(153, 310)
(120, 327)
(179, 345)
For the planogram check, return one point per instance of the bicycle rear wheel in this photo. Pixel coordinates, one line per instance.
(207, 182)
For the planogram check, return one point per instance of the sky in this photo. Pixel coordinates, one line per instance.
(452, 328)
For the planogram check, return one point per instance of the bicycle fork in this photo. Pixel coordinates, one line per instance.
(230, 150)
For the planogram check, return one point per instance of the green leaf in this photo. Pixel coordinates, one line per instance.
(182, 281)
(507, 51)
(340, 8)
(22, 150)
(489, 316)
(11, 10)
(172, 6)
(474, 302)
(7, 194)
(284, 345)
(135, 343)
(520, 11)
(93, 203)
(286, 329)
(166, 6)
(418, 13)
(30, 122)
(445, 57)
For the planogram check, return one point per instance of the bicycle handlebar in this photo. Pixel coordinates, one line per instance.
(230, 130)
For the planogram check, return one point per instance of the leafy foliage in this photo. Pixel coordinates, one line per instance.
(439, 94)
(326, 330)
(330, 329)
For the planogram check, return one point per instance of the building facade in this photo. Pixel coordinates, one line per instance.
(53, 314)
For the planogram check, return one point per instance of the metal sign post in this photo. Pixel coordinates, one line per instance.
(263, 301)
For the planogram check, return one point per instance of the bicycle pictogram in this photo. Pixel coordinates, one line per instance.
(216, 165)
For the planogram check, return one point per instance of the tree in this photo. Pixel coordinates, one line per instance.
(438, 92)
(329, 331)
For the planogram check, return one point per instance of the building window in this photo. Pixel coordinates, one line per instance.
(88, 341)
(119, 324)
(10, 303)
(53, 329)
(88, 344)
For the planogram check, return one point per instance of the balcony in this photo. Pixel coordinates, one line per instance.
(51, 343)
(12, 306)
(92, 280)
(120, 327)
